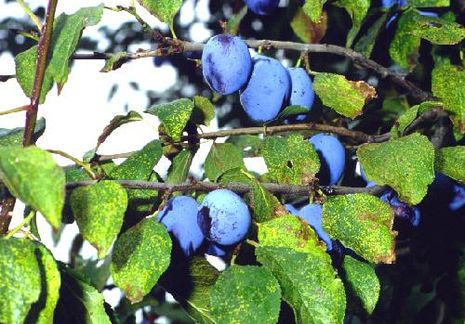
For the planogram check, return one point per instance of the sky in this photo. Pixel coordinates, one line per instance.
(77, 116)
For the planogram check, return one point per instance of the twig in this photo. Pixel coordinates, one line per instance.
(184, 46)
(42, 57)
(86, 167)
(31, 15)
(6, 77)
(25, 221)
(291, 190)
(6, 209)
(14, 110)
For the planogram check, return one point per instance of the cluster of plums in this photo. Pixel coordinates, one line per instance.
(222, 218)
(264, 84)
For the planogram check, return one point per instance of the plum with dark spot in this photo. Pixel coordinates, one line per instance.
(332, 157)
(267, 90)
(226, 63)
(180, 219)
(302, 93)
(262, 7)
(223, 217)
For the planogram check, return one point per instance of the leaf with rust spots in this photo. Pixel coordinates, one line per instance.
(264, 204)
(291, 160)
(451, 162)
(291, 232)
(99, 212)
(250, 293)
(140, 256)
(405, 164)
(174, 116)
(347, 98)
(363, 223)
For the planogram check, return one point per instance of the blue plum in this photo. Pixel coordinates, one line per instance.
(223, 217)
(401, 209)
(262, 7)
(332, 157)
(226, 63)
(291, 209)
(217, 250)
(390, 3)
(302, 93)
(312, 214)
(180, 219)
(267, 90)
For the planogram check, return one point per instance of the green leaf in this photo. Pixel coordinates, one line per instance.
(221, 158)
(96, 271)
(314, 9)
(140, 256)
(248, 293)
(291, 111)
(179, 169)
(173, 115)
(234, 21)
(79, 301)
(290, 232)
(447, 84)
(308, 31)
(308, 283)
(20, 286)
(99, 212)
(366, 42)
(363, 281)
(250, 145)
(142, 201)
(14, 137)
(67, 31)
(44, 308)
(405, 164)
(363, 223)
(264, 204)
(115, 123)
(405, 44)
(430, 3)
(346, 97)
(165, 10)
(410, 115)
(204, 111)
(357, 10)
(451, 162)
(139, 165)
(32, 175)
(115, 61)
(291, 160)
(439, 31)
(203, 276)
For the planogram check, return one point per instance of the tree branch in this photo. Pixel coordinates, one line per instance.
(291, 190)
(179, 46)
(42, 58)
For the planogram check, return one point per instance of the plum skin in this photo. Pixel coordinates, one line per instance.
(332, 157)
(267, 90)
(262, 7)
(226, 63)
(180, 219)
(302, 93)
(223, 217)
